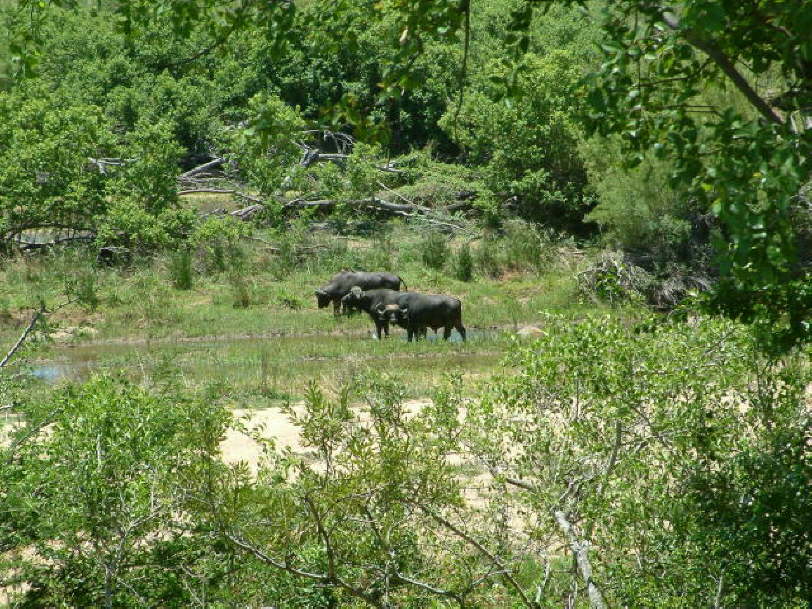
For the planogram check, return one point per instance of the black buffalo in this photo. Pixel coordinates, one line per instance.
(416, 312)
(369, 301)
(393, 313)
(341, 283)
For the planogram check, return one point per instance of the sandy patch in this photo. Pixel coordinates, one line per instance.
(273, 424)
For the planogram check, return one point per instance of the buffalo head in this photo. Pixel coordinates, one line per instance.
(322, 298)
(352, 300)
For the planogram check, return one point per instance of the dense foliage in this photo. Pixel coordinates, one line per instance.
(673, 449)
(670, 457)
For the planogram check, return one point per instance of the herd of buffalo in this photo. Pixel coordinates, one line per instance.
(379, 295)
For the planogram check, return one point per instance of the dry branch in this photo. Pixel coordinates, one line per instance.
(495, 560)
(218, 191)
(102, 164)
(714, 51)
(399, 209)
(201, 168)
(23, 336)
(580, 550)
(33, 245)
(246, 213)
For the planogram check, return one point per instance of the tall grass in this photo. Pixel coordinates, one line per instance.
(464, 264)
(180, 269)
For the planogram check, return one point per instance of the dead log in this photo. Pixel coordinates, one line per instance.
(399, 209)
(201, 168)
(217, 191)
(458, 206)
(104, 163)
(246, 213)
(31, 246)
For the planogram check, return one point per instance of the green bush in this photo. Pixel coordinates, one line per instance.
(241, 288)
(486, 257)
(524, 246)
(639, 210)
(180, 269)
(97, 498)
(685, 474)
(464, 263)
(218, 241)
(529, 148)
(434, 250)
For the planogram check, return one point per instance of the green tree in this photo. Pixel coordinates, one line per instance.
(645, 446)
(92, 490)
(528, 145)
(723, 89)
(46, 176)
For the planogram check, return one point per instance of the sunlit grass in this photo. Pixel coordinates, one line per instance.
(268, 350)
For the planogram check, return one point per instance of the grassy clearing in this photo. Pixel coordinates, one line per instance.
(248, 328)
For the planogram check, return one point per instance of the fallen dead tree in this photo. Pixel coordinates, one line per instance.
(33, 246)
(374, 203)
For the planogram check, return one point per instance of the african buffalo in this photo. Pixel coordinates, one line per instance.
(341, 283)
(384, 314)
(416, 312)
(368, 301)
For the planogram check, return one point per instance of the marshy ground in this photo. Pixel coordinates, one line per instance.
(240, 323)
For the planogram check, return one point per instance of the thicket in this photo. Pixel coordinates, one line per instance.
(671, 458)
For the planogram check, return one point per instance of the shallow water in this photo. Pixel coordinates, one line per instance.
(279, 357)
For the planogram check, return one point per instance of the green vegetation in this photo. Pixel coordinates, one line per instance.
(617, 192)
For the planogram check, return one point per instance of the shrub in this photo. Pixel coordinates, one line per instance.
(686, 474)
(434, 250)
(487, 257)
(97, 498)
(524, 246)
(639, 210)
(180, 269)
(464, 264)
(83, 286)
(241, 288)
(529, 148)
(218, 241)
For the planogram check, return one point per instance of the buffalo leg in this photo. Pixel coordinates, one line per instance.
(446, 332)
(461, 329)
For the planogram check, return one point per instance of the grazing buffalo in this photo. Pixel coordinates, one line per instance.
(341, 283)
(416, 312)
(392, 313)
(369, 301)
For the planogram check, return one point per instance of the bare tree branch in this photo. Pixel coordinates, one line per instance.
(201, 168)
(482, 549)
(579, 549)
(217, 191)
(321, 577)
(34, 319)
